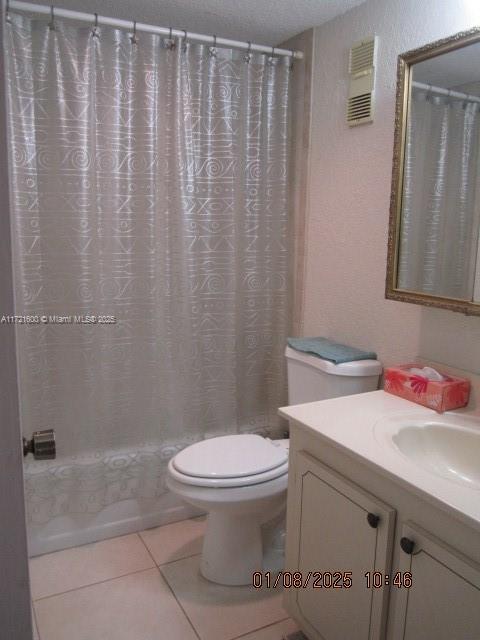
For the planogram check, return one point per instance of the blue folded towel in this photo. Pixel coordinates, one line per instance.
(329, 350)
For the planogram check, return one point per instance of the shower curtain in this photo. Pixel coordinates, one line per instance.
(150, 190)
(440, 206)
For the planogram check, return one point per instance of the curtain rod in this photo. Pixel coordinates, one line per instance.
(148, 28)
(445, 92)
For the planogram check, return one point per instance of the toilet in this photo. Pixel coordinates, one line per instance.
(240, 480)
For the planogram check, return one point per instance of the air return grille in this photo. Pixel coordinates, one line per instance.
(362, 56)
(362, 78)
(360, 109)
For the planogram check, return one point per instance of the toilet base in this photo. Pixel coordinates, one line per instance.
(233, 543)
(232, 549)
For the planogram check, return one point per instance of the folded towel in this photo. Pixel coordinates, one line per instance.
(329, 350)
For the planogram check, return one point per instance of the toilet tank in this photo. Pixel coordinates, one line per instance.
(311, 378)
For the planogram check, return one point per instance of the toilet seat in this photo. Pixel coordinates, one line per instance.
(227, 482)
(230, 461)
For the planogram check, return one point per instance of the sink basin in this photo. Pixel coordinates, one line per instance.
(448, 446)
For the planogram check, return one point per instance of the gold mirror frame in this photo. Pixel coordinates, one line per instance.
(405, 62)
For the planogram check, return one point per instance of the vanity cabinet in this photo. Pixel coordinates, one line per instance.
(333, 505)
(444, 600)
(342, 532)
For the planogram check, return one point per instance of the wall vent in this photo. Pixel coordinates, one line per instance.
(362, 81)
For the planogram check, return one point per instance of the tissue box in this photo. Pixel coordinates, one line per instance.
(450, 393)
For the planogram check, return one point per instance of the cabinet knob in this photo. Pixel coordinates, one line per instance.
(373, 520)
(407, 545)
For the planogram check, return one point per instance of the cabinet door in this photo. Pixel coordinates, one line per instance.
(332, 534)
(443, 602)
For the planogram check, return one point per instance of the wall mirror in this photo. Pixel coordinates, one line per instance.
(433, 247)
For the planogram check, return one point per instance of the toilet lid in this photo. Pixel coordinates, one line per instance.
(230, 457)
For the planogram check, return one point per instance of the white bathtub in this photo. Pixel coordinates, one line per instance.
(75, 501)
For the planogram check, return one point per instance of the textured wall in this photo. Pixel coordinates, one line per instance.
(349, 192)
(301, 117)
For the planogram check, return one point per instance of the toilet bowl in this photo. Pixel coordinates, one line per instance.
(241, 482)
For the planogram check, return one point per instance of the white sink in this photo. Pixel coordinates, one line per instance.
(447, 445)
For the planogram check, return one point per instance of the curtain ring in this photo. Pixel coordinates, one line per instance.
(51, 24)
(95, 32)
(271, 57)
(133, 37)
(170, 43)
(213, 50)
(185, 39)
(248, 56)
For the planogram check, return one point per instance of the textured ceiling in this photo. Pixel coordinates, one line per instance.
(262, 21)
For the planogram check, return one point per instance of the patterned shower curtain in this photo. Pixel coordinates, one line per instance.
(440, 208)
(149, 189)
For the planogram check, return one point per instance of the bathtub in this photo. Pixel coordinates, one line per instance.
(75, 501)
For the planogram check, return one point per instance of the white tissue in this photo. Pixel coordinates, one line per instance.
(427, 372)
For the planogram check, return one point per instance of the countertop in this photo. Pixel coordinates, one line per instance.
(353, 424)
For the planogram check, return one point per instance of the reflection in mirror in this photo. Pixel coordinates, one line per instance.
(440, 211)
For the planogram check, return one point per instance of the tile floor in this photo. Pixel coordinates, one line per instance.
(147, 586)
